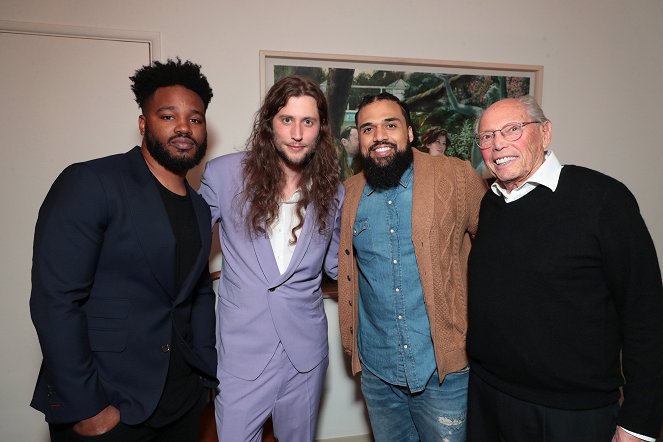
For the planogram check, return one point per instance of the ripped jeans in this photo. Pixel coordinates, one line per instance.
(435, 414)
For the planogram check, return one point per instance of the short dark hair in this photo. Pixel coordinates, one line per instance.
(368, 99)
(148, 79)
(345, 133)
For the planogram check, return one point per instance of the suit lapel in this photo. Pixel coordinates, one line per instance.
(265, 257)
(150, 221)
(303, 242)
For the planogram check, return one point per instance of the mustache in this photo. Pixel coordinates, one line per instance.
(183, 137)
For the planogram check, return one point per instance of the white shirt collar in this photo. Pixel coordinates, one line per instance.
(547, 175)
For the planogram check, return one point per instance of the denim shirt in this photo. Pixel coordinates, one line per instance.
(394, 336)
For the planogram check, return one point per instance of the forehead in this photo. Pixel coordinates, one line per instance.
(379, 111)
(501, 113)
(303, 105)
(176, 96)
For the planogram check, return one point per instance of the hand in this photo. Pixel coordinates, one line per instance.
(101, 423)
(623, 436)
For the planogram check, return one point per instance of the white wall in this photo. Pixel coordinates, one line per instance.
(603, 62)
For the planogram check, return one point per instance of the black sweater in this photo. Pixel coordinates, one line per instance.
(561, 282)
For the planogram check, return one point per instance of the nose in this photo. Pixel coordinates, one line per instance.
(379, 133)
(183, 127)
(296, 132)
(498, 141)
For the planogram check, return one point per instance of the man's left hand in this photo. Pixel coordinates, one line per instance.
(623, 436)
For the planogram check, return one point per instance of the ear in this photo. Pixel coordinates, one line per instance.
(141, 124)
(546, 134)
(410, 133)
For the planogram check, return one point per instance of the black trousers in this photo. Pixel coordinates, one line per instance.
(185, 429)
(493, 416)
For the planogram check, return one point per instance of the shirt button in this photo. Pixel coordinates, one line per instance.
(405, 346)
(400, 317)
(165, 348)
(349, 279)
(389, 202)
(397, 290)
(391, 230)
(395, 261)
(347, 252)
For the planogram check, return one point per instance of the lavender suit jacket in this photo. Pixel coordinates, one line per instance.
(257, 305)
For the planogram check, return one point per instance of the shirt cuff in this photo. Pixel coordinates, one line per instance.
(646, 438)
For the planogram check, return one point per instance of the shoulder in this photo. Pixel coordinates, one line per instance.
(227, 161)
(589, 181)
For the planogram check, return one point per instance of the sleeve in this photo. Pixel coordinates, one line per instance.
(633, 276)
(476, 189)
(209, 190)
(68, 240)
(331, 258)
(203, 323)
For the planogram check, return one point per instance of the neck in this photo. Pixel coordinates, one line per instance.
(170, 180)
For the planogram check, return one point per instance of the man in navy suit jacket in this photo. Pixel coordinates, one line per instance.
(121, 293)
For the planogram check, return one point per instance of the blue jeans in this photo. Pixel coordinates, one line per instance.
(435, 414)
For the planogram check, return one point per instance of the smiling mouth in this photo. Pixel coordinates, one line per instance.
(504, 160)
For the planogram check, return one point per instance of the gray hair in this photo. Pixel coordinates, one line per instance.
(531, 107)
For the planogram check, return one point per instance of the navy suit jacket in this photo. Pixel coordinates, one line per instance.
(103, 297)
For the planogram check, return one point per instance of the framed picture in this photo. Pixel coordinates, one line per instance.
(441, 94)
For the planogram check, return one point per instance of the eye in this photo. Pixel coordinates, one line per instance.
(511, 128)
(391, 125)
(485, 136)
(366, 130)
(196, 121)
(308, 122)
(286, 120)
(167, 117)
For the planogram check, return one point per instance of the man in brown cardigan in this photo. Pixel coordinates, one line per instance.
(405, 237)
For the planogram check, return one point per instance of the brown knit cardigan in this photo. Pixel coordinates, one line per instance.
(446, 197)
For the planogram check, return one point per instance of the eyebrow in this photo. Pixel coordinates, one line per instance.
(386, 120)
(174, 108)
(293, 117)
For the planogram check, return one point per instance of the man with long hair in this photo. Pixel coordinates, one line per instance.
(122, 298)
(278, 209)
(405, 237)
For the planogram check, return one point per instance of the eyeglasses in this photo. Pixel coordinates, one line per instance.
(510, 132)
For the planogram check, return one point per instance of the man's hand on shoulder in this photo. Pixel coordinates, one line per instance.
(101, 423)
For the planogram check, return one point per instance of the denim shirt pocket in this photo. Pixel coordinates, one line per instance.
(362, 240)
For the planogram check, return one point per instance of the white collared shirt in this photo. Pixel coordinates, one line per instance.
(547, 175)
(280, 232)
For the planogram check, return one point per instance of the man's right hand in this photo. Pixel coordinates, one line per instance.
(100, 423)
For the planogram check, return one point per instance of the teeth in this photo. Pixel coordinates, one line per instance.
(504, 160)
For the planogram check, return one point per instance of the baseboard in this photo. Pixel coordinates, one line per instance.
(357, 438)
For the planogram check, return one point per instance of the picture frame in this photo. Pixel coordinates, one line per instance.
(440, 93)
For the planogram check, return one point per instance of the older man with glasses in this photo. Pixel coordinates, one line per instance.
(565, 296)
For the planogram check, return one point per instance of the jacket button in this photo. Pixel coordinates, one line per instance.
(347, 252)
(350, 302)
(272, 289)
(349, 279)
(165, 348)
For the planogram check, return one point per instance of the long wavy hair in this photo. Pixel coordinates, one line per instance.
(263, 176)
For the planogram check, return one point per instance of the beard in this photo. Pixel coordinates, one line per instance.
(388, 175)
(178, 164)
(294, 163)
